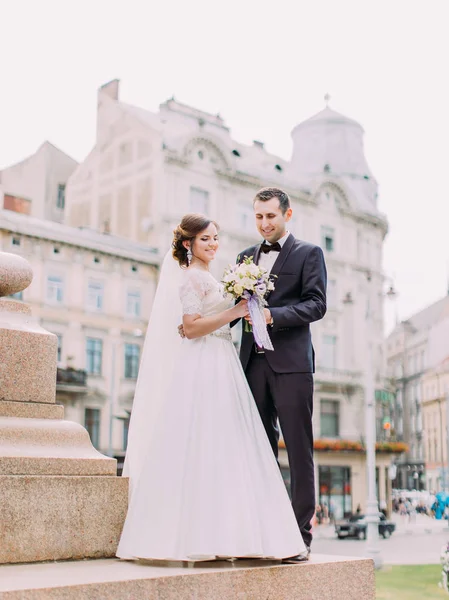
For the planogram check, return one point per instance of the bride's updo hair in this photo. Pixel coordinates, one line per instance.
(190, 226)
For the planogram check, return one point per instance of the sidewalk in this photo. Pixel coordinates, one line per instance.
(419, 524)
(416, 525)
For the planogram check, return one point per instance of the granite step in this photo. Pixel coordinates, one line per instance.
(322, 578)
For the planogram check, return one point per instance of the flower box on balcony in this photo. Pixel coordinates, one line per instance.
(337, 445)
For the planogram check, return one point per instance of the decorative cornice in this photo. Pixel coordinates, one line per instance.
(77, 237)
(212, 146)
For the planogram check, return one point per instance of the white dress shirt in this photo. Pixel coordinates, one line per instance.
(267, 260)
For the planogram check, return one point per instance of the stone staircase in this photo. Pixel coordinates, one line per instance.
(322, 578)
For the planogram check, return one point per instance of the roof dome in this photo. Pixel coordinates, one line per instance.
(332, 143)
(329, 141)
(327, 115)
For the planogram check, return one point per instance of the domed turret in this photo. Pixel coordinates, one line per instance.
(330, 142)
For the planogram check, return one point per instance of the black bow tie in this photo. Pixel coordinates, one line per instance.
(265, 248)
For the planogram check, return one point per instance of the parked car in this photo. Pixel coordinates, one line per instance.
(356, 526)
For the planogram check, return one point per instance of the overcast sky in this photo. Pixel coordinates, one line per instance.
(265, 66)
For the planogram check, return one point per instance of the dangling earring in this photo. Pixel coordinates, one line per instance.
(189, 255)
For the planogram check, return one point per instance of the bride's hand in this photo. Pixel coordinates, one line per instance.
(241, 309)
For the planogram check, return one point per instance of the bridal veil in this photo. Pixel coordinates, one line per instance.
(162, 343)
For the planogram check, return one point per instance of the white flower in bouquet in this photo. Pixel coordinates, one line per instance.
(238, 290)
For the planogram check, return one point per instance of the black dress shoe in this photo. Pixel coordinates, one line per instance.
(299, 558)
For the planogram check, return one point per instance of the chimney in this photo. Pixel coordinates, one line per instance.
(258, 144)
(107, 96)
(111, 89)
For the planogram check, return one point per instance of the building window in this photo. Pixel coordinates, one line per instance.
(95, 293)
(125, 433)
(331, 293)
(92, 424)
(55, 289)
(16, 296)
(329, 418)
(132, 359)
(199, 201)
(246, 221)
(94, 356)
(329, 352)
(334, 491)
(15, 241)
(60, 200)
(59, 356)
(125, 153)
(416, 363)
(328, 238)
(133, 303)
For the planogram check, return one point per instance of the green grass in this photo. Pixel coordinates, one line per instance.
(411, 582)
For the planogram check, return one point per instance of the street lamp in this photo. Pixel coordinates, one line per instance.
(372, 506)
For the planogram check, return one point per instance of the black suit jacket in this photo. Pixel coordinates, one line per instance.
(299, 298)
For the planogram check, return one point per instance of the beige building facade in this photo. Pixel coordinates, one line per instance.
(36, 185)
(435, 409)
(415, 351)
(94, 292)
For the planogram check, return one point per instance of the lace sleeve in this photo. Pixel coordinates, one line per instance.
(192, 292)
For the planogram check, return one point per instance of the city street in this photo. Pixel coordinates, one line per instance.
(417, 542)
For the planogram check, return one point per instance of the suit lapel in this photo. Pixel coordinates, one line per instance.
(279, 262)
(257, 254)
(285, 251)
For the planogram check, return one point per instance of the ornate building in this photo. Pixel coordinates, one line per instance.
(94, 292)
(435, 419)
(416, 350)
(148, 169)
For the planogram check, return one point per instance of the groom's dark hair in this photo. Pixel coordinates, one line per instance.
(268, 193)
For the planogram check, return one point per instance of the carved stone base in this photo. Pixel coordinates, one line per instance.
(57, 518)
(49, 447)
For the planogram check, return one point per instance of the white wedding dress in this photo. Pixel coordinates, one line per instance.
(209, 485)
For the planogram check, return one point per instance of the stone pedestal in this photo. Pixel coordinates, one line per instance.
(59, 497)
(56, 517)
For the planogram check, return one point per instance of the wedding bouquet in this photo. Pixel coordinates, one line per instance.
(250, 282)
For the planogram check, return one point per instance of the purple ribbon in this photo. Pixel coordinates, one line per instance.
(260, 331)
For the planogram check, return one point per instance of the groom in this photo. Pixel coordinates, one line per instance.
(282, 380)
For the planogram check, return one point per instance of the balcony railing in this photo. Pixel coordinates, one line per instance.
(338, 376)
(71, 378)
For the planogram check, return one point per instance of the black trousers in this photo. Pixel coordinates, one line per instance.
(289, 397)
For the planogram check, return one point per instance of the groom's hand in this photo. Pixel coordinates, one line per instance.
(268, 317)
(181, 331)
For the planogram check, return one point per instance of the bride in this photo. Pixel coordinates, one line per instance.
(204, 483)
